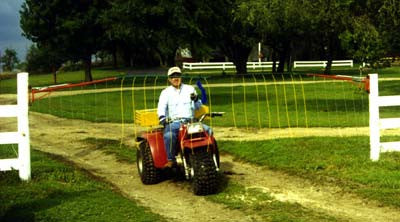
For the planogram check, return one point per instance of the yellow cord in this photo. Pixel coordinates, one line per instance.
(286, 105)
(154, 92)
(326, 103)
(233, 105)
(304, 101)
(134, 107)
(209, 100)
(245, 103)
(144, 92)
(267, 100)
(277, 102)
(122, 113)
(295, 101)
(258, 103)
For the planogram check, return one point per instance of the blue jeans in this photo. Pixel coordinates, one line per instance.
(171, 132)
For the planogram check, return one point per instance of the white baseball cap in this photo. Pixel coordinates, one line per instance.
(174, 71)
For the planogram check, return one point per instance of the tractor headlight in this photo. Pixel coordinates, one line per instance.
(194, 128)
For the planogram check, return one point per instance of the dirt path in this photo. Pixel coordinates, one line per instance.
(64, 137)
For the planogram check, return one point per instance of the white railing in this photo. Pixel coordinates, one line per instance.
(224, 65)
(21, 137)
(322, 63)
(376, 124)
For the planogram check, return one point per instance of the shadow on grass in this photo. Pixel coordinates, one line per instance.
(26, 211)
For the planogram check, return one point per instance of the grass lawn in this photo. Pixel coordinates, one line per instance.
(60, 192)
(342, 161)
(319, 104)
(9, 85)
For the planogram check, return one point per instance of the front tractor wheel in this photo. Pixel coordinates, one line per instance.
(204, 174)
(145, 165)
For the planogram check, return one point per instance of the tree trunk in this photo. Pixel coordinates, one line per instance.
(282, 59)
(239, 54)
(329, 57)
(114, 58)
(241, 66)
(274, 61)
(282, 56)
(54, 75)
(171, 60)
(87, 62)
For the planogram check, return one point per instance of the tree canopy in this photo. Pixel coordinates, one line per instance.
(9, 59)
(149, 33)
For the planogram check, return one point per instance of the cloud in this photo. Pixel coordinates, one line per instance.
(10, 31)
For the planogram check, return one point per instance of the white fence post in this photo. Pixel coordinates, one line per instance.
(376, 124)
(24, 154)
(23, 162)
(374, 132)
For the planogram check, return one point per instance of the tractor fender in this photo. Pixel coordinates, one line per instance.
(157, 147)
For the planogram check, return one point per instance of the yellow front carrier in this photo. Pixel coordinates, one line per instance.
(149, 118)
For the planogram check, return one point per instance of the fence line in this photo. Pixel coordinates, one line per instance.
(224, 65)
(322, 63)
(21, 137)
(255, 65)
(376, 124)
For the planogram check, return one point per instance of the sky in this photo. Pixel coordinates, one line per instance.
(10, 32)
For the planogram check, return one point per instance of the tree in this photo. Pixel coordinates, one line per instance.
(279, 24)
(9, 59)
(156, 29)
(388, 23)
(69, 28)
(362, 40)
(329, 18)
(233, 33)
(43, 60)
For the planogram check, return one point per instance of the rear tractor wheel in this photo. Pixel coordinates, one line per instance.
(145, 165)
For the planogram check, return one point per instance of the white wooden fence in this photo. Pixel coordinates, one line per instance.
(322, 63)
(224, 65)
(376, 124)
(255, 65)
(21, 137)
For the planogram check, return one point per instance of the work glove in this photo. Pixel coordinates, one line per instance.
(194, 97)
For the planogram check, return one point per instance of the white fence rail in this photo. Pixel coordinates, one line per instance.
(21, 137)
(224, 65)
(322, 63)
(376, 124)
(255, 65)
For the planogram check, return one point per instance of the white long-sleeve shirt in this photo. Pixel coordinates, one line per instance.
(176, 103)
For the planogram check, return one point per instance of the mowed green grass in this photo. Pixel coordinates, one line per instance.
(335, 161)
(61, 192)
(274, 105)
(145, 78)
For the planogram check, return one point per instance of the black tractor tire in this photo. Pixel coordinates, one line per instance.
(145, 165)
(205, 176)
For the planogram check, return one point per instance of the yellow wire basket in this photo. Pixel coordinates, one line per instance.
(146, 117)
